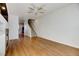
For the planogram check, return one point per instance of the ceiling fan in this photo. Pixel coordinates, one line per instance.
(34, 9)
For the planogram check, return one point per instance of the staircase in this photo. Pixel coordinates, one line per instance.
(32, 27)
(3, 28)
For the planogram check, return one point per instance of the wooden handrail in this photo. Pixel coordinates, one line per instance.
(4, 11)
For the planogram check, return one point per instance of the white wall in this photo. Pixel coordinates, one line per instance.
(61, 26)
(13, 27)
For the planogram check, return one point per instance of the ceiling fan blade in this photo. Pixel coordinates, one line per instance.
(40, 8)
(30, 8)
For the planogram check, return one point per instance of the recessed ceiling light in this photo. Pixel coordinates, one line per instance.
(3, 8)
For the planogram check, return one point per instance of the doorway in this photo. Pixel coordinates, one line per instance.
(21, 28)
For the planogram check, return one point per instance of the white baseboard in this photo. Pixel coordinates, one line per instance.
(67, 44)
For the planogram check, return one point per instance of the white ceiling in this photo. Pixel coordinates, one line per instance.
(21, 9)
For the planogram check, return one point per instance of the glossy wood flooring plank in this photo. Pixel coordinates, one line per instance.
(39, 47)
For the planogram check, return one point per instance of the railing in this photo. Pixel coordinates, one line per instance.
(3, 24)
(3, 10)
(3, 28)
(32, 27)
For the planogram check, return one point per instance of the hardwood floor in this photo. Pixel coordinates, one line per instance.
(39, 47)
